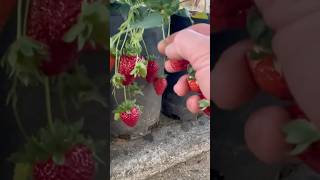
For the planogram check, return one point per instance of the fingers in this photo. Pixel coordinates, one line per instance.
(181, 87)
(277, 18)
(200, 28)
(193, 104)
(190, 45)
(263, 134)
(232, 82)
(298, 56)
(173, 66)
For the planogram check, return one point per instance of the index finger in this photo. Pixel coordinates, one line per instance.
(200, 28)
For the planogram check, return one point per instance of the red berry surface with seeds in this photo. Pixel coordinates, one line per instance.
(128, 112)
(47, 23)
(193, 85)
(131, 117)
(127, 64)
(268, 78)
(78, 165)
(152, 70)
(160, 84)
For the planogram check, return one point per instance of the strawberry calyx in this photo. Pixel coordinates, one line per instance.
(258, 30)
(117, 80)
(302, 134)
(92, 25)
(204, 104)
(53, 145)
(23, 59)
(140, 68)
(125, 106)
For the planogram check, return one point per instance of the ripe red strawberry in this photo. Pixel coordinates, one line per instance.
(152, 71)
(311, 157)
(193, 85)
(131, 117)
(48, 21)
(78, 165)
(128, 79)
(127, 64)
(295, 112)
(128, 112)
(160, 84)
(268, 77)
(111, 62)
(179, 65)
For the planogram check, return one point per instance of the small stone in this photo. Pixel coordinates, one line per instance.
(148, 137)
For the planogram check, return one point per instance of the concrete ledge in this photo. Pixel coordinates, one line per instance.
(171, 144)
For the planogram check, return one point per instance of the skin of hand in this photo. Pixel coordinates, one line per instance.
(296, 45)
(192, 44)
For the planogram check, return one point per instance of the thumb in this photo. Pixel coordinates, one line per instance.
(191, 46)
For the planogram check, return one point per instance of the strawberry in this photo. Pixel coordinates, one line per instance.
(78, 165)
(193, 85)
(152, 71)
(179, 65)
(59, 151)
(192, 82)
(47, 23)
(295, 111)
(269, 78)
(160, 84)
(311, 157)
(6, 8)
(111, 61)
(127, 64)
(305, 137)
(204, 105)
(128, 112)
(128, 79)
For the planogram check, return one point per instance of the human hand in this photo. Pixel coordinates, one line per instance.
(296, 46)
(191, 44)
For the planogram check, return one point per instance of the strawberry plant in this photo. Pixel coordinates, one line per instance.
(267, 73)
(50, 36)
(132, 58)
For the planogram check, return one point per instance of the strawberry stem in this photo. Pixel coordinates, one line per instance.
(48, 103)
(163, 31)
(19, 19)
(26, 17)
(15, 112)
(145, 47)
(169, 26)
(62, 99)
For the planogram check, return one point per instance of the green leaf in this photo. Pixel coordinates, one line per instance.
(201, 15)
(22, 171)
(299, 149)
(75, 31)
(116, 116)
(204, 103)
(300, 132)
(58, 158)
(184, 13)
(151, 21)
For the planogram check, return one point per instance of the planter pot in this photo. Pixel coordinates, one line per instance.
(150, 101)
(173, 105)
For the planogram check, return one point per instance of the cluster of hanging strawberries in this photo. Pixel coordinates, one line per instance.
(130, 68)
